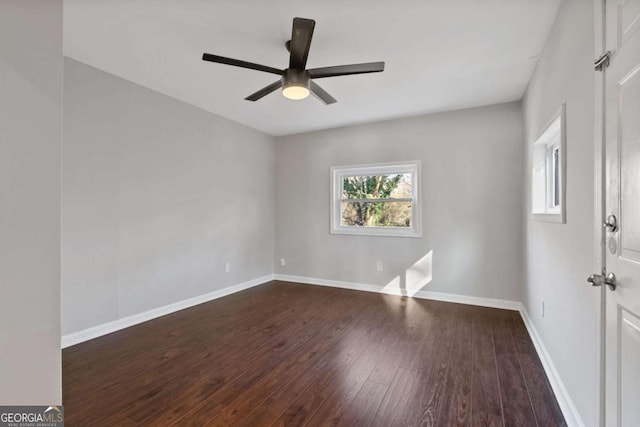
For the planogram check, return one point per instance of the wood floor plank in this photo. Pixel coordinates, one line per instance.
(276, 403)
(285, 354)
(171, 342)
(357, 356)
(431, 316)
(153, 387)
(344, 391)
(310, 355)
(434, 371)
(516, 404)
(309, 365)
(261, 363)
(363, 408)
(405, 335)
(456, 405)
(341, 402)
(305, 405)
(544, 403)
(131, 342)
(485, 399)
(398, 401)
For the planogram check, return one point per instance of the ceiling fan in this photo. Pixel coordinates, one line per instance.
(296, 81)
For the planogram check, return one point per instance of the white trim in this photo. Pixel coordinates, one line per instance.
(552, 214)
(116, 325)
(599, 213)
(437, 296)
(548, 217)
(338, 172)
(568, 408)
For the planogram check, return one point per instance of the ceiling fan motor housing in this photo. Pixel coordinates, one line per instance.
(292, 77)
(295, 84)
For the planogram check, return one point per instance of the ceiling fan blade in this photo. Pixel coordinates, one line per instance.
(264, 91)
(321, 93)
(238, 63)
(345, 70)
(301, 42)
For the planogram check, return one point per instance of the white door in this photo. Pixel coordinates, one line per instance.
(622, 139)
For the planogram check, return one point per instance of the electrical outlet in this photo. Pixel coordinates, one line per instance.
(379, 265)
(282, 262)
(542, 308)
(227, 267)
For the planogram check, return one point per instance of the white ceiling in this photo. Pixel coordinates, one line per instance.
(440, 54)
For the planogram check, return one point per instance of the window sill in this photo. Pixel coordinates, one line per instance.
(376, 232)
(558, 218)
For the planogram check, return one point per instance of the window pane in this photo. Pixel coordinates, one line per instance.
(377, 187)
(556, 177)
(376, 214)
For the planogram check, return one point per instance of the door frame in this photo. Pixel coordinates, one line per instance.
(599, 8)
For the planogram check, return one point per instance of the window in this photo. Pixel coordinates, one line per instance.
(376, 200)
(547, 177)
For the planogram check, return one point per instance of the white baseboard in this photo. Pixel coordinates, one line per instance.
(107, 328)
(568, 408)
(438, 296)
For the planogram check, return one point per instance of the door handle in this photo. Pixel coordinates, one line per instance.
(611, 224)
(599, 280)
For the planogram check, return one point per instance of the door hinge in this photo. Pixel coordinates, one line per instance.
(603, 61)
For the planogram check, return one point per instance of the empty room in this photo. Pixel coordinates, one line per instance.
(315, 213)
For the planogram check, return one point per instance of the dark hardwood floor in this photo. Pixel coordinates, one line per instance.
(288, 354)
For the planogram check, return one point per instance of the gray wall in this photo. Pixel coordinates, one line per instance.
(471, 202)
(30, 144)
(157, 196)
(559, 257)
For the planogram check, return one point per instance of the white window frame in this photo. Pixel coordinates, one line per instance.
(339, 172)
(552, 163)
(550, 140)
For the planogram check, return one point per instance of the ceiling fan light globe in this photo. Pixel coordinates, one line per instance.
(295, 92)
